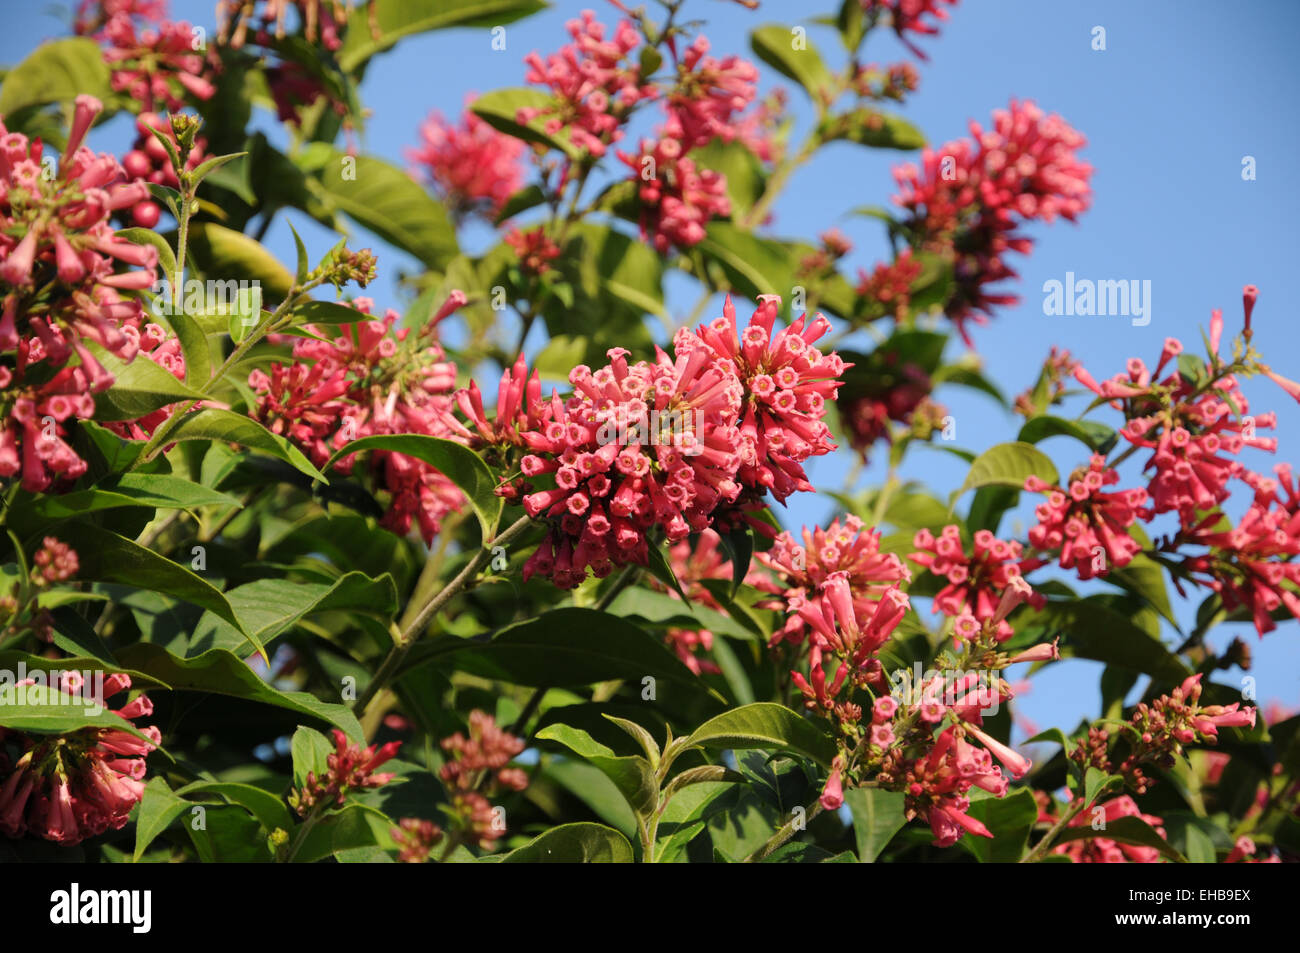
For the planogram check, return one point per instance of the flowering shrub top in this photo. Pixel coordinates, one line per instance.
(528, 624)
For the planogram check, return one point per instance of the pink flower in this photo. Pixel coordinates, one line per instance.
(1088, 526)
(678, 200)
(155, 66)
(908, 16)
(474, 168)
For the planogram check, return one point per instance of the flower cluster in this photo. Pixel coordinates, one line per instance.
(1087, 524)
(349, 767)
(909, 16)
(154, 65)
(976, 582)
(53, 563)
(1157, 732)
(847, 548)
(595, 83)
(370, 380)
(1105, 850)
(890, 285)
(967, 198)
(474, 765)
(59, 292)
(534, 249)
(473, 167)
(677, 199)
(65, 788)
(1050, 388)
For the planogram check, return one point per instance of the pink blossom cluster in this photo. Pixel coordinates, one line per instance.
(909, 16)
(65, 788)
(1105, 850)
(1193, 432)
(595, 83)
(708, 96)
(786, 382)
(473, 167)
(976, 582)
(1087, 524)
(156, 344)
(967, 198)
(349, 767)
(678, 200)
(936, 783)
(59, 291)
(1248, 564)
(891, 284)
(849, 548)
(93, 14)
(533, 248)
(154, 65)
(369, 380)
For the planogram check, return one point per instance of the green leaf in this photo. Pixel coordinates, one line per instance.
(108, 557)
(1126, 830)
(385, 200)
(662, 608)
(327, 312)
(224, 673)
(774, 44)
(752, 265)
(310, 750)
(1009, 819)
(147, 236)
(765, 725)
(871, 127)
(158, 808)
(139, 387)
(154, 490)
(194, 348)
(574, 844)
(1096, 782)
(500, 109)
(622, 266)
(633, 776)
(455, 461)
(877, 817)
(269, 810)
(223, 254)
(662, 570)
(355, 827)
(44, 710)
(569, 648)
(1008, 464)
(744, 173)
(1145, 577)
(1089, 629)
(58, 71)
(395, 19)
(212, 424)
(269, 607)
(1095, 436)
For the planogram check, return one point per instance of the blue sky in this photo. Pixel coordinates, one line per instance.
(1183, 91)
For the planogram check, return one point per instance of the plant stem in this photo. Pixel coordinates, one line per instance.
(411, 632)
(1040, 849)
(783, 835)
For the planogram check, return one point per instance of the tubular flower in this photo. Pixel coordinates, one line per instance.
(1088, 525)
(370, 380)
(474, 168)
(786, 383)
(1190, 429)
(164, 349)
(708, 95)
(977, 583)
(1250, 565)
(837, 627)
(636, 446)
(65, 788)
(846, 548)
(935, 785)
(59, 292)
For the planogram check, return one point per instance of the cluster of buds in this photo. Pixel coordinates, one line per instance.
(678, 199)
(476, 767)
(53, 563)
(349, 767)
(892, 82)
(534, 249)
(65, 788)
(820, 263)
(1050, 388)
(1158, 731)
(415, 838)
